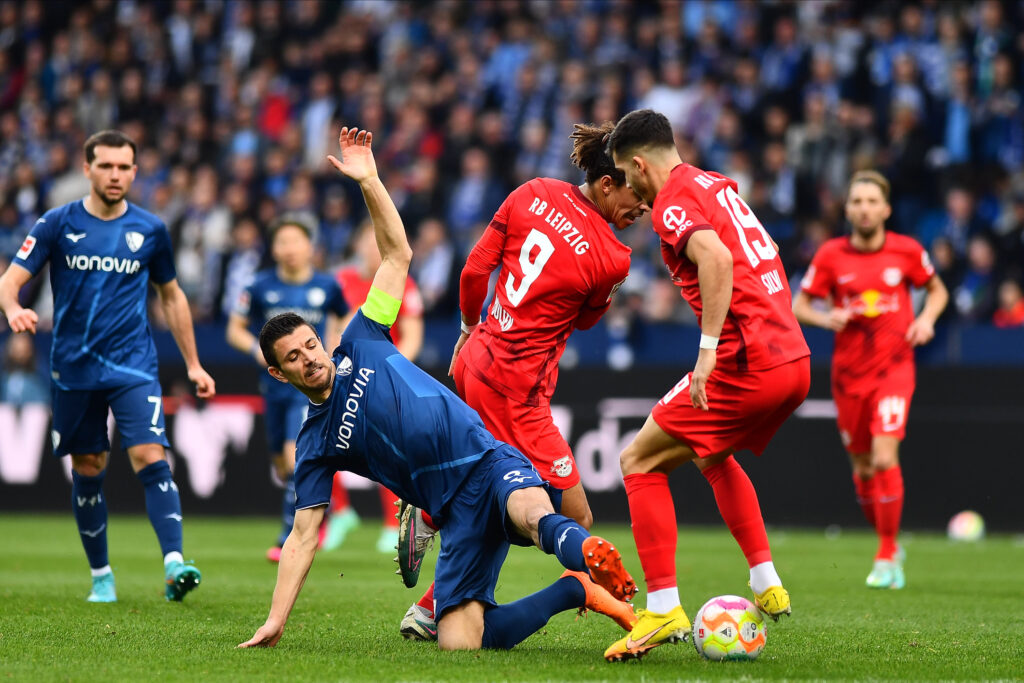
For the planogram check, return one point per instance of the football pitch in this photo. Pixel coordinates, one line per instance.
(961, 616)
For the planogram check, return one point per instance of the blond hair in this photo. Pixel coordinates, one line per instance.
(873, 177)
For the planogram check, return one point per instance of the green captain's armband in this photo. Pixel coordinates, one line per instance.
(381, 307)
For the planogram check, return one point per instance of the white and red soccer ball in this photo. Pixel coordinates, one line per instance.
(729, 627)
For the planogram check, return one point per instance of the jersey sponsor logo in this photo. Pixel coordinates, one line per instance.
(74, 237)
(316, 296)
(892, 276)
(134, 240)
(344, 367)
(353, 404)
(314, 316)
(107, 264)
(26, 247)
(872, 303)
(674, 218)
(562, 467)
(501, 316)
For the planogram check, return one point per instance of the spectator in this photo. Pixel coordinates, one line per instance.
(975, 297)
(22, 382)
(1011, 305)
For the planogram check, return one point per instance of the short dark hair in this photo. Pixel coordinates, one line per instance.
(640, 128)
(107, 138)
(303, 220)
(589, 154)
(279, 326)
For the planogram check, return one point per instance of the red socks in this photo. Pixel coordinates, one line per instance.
(867, 493)
(427, 601)
(737, 503)
(339, 495)
(888, 510)
(653, 515)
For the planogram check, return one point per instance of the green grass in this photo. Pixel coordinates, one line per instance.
(960, 617)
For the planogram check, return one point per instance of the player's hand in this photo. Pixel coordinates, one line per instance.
(837, 319)
(920, 332)
(24, 320)
(205, 386)
(266, 636)
(356, 158)
(463, 338)
(706, 360)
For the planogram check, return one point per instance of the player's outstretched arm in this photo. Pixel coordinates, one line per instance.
(20, 319)
(179, 319)
(714, 275)
(296, 558)
(357, 163)
(238, 336)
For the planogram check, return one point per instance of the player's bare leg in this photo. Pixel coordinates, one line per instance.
(90, 508)
(886, 476)
(462, 627)
(575, 506)
(164, 508)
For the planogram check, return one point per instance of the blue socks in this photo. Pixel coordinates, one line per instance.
(163, 505)
(91, 515)
(563, 538)
(287, 509)
(507, 625)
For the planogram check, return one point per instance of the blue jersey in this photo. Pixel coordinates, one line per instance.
(100, 271)
(268, 296)
(389, 421)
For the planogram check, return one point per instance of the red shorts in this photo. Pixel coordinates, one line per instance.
(745, 408)
(880, 412)
(529, 428)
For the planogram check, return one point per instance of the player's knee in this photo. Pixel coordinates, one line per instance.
(89, 465)
(462, 627)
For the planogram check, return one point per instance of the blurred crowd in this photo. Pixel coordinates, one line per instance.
(235, 104)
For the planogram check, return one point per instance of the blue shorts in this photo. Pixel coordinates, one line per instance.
(476, 535)
(284, 417)
(80, 418)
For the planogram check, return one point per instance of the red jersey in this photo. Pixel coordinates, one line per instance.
(760, 330)
(560, 264)
(875, 287)
(355, 288)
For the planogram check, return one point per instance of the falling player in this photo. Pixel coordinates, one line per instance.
(560, 265)
(291, 285)
(752, 371)
(103, 251)
(866, 279)
(373, 412)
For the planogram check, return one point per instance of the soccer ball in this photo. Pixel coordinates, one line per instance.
(966, 526)
(729, 627)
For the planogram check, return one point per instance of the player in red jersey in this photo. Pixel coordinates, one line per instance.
(866, 279)
(752, 371)
(407, 332)
(560, 264)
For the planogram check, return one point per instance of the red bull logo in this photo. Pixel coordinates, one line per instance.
(872, 303)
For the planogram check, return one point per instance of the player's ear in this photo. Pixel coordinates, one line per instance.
(888, 211)
(277, 374)
(607, 185)
(641, 165)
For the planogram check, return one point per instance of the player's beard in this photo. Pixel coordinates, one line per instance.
(107, 199)
(869, 231)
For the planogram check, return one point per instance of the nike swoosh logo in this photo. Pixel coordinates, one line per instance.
(94, 534)
(175, 516)
(427, 628)
(843, 279)
(631, 644)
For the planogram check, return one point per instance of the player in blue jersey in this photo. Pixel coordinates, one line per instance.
(103, 253)
(372, 412)
(292, 285)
